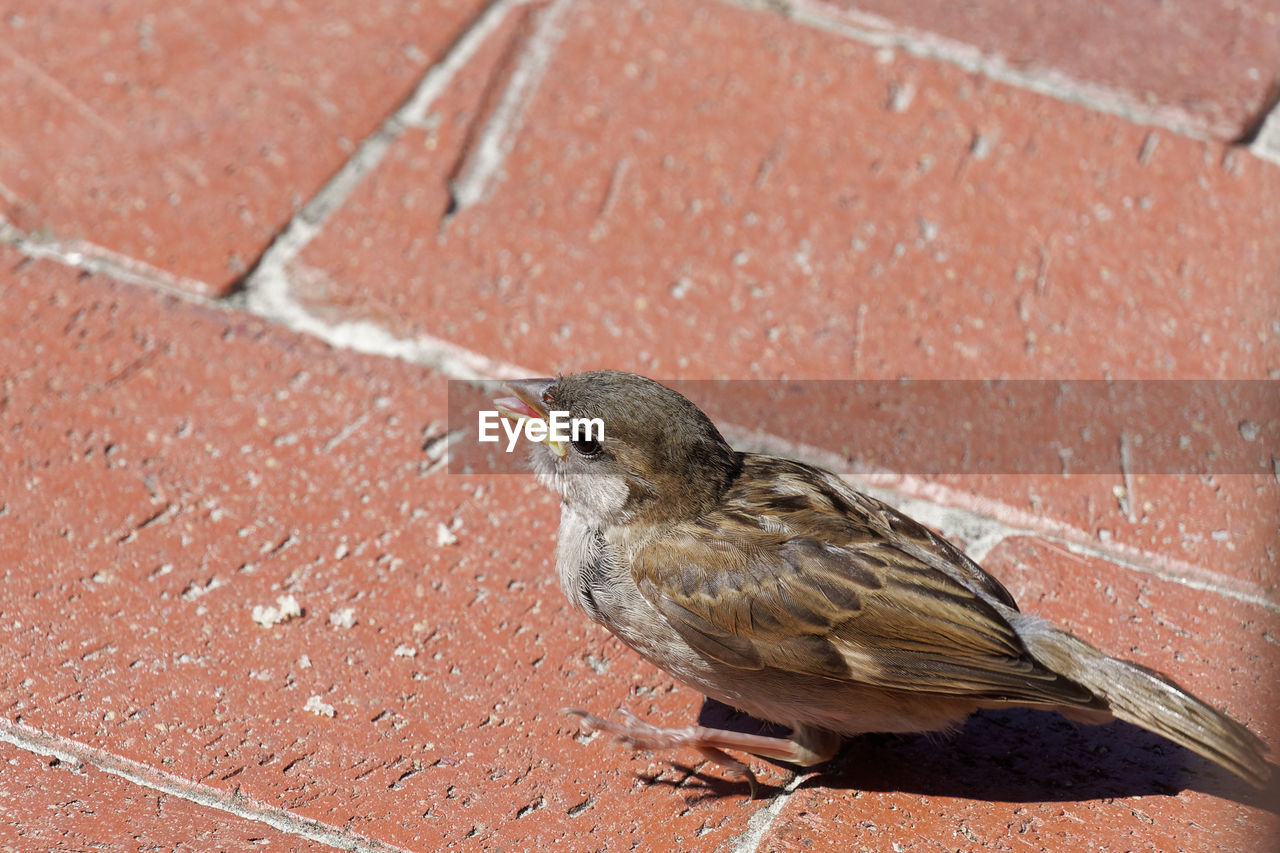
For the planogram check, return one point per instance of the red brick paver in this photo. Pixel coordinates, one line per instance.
(721, 214)
(699, 188)
(177, 466)
(185, 135)
(690, 190)
(1209, 65)
(55, 805)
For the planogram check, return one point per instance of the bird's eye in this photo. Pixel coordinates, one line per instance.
(587, 447)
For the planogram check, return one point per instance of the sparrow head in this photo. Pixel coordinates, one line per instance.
(659, 457)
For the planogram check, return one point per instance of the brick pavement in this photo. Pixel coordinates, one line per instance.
(246, 245)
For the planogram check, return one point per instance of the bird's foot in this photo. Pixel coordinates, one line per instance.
(710, 743)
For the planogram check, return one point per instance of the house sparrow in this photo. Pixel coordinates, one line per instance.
(775, 588)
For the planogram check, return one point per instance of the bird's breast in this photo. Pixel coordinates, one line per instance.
(597, 581)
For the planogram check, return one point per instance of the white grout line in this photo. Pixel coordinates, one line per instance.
(267, 291)
(878, 31)
(269, 298)
(75, 753)
(760, 822)
(303, 228)
(93, 258)
(483, 165)
(437, 79)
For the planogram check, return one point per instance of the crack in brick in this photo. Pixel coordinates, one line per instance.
(575, 811)
(537, 804)
(482, 164)
(288, 768)
(123, 375)
(346, 432)
(616, 177)
(164, 514)
(406, 775)
(54, 87)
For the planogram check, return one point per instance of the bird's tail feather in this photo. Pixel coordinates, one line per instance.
(1148, 699)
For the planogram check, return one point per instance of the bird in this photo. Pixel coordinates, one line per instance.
(776, 588)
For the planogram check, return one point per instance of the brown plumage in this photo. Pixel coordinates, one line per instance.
(776, 588)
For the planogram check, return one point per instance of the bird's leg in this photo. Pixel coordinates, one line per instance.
(806, 747)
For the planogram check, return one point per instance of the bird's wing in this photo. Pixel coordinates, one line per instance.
(864, 595)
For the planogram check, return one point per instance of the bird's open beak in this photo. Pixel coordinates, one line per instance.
(527, 404)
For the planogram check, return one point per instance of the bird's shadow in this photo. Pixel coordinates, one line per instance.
(1012, 756)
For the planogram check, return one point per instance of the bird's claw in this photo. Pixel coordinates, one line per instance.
(638, 734)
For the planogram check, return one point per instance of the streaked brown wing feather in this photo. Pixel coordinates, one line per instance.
(768, 584)
(823, 506)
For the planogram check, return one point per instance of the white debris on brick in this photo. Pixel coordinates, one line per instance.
(445, 536)
(286, 608)
(344, 617)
